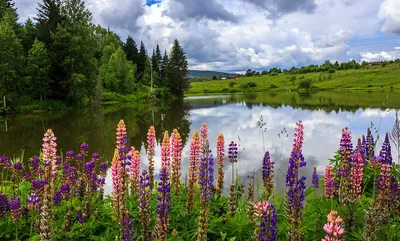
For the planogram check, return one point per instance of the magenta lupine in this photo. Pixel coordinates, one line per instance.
(15, 209)
(220, 163)
(195, 148)
(127, 228)
(163, 204)
(357, 174)
(176, 147)
(333, 228)
(49, 156)
(144, 205)
(267, 175)
(134, 172)
(295, 185)
(329, 183)
(206, 179)
(315, 178)
(151, 150)
(266, 229)
(4, 205)
(166, 151)
(344, 171)
(383, 187)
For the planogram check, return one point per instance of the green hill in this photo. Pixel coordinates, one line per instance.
(370, 78)
(208, 74)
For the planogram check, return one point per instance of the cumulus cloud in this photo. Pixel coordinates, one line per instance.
(373, 57)
(277, 8)
(389, 13)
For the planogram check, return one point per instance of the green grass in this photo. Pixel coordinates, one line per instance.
(371, 78)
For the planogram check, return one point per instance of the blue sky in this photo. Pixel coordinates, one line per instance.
(235, 35)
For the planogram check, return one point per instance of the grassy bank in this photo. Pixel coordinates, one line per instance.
(371, 78)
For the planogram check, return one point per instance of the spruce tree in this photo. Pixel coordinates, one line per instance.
(7, 7)
(29, 35)
(163, 69)
(48, 18)
(131, 50)
(178, 81)
(141, 64)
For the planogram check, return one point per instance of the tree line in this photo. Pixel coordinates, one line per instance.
(60, 54)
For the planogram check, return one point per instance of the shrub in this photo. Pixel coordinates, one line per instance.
(225, 89)
(305, 84)
(273, 86)
(331, 70)
(232, 83)
(369, 86)
(252, 84)
(301, 77)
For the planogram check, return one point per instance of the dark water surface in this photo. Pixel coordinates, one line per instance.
(324, 114)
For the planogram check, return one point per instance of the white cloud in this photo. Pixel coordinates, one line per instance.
(373, 57)
(389, 13)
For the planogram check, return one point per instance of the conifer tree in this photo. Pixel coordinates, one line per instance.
(178, 81)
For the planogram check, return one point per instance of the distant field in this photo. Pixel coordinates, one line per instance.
(373, 78)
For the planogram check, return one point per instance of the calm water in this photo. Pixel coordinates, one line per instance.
(235, 116)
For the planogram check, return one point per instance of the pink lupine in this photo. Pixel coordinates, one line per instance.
(165, 151)
(49, 154)
(193, 167)
(220, 163)
(176, 146)
(151, 150)
(329, 183)
(134, 172)
(298, 137)
(357, 174)
(121, 137)
(116, 169)
(333, 228)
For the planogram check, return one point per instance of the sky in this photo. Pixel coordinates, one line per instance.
(235, 35)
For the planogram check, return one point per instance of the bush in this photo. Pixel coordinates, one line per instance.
(301, 77)
(252, 84)
(369, 86)
(225, 89)
(232, 83)
(305, 84)
(272, 86)
(331, 70)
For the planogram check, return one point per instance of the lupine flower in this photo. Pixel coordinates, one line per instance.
(95, 156)
(298, 137)
(176, 146)
(206, 179)
(361, 147)
(65, 190)
(295, 185)
(383, 187)
(121, 139)
(144, 205)
(49, 155)
(267, 174)
(57, 198)
(81, 216)
(344, 170)
(250, 199)
(333, 228)
(203, 134)
(33, 202)
(370, 144)
(46, 230)
(4, 205)
(26, 176)
(151, 140)
(266, 230)
(116, 181)
(134, 173)
(89, 175)
(394, 194)
(38, 186)
(315, 178)
(34, 166)
(165, 151)
(17, 167)
(195, 147)
(386, 152)
(15, 209)
(103, 169)
(5, 162)
(101, 180)
(357, 174)
(220, 163)
(84, 149)
(329, 183)
(79, 157)
(69, 155)
(127, 228)
(232, 152)
(163, 204)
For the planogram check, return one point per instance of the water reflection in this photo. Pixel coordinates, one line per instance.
(235, 116)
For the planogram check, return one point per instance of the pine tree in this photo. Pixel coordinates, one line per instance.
(29, 35)
(37, 71)
(141, 64)
(178, 81)
(7, 7)
(48, 18)
(163, 69)
(156, 68)
(131, 50)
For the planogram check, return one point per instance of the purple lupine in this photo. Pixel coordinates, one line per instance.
(163, 204)
(267, 229)
(127, 228)
(17, 166)
(144, 204)
(69, 155)
(26, 176)
(84, 148)
(295, 193)
(79, 157)
(89, 175)
(394, 194)
(33, 202)
(58, 160)
(73, 175)
(232, 152)
(386, 151)
(96, 156)
(57, 198)
(4, 205)
(267, 173)
(5, 162)
(81, 216)
(369, 152)
(315, 179)
(65, 190)
(103, 169)
(66, 172)
(38, 186)
(35, 166)
(15, 209)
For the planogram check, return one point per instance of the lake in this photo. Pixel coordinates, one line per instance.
(324, 114)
